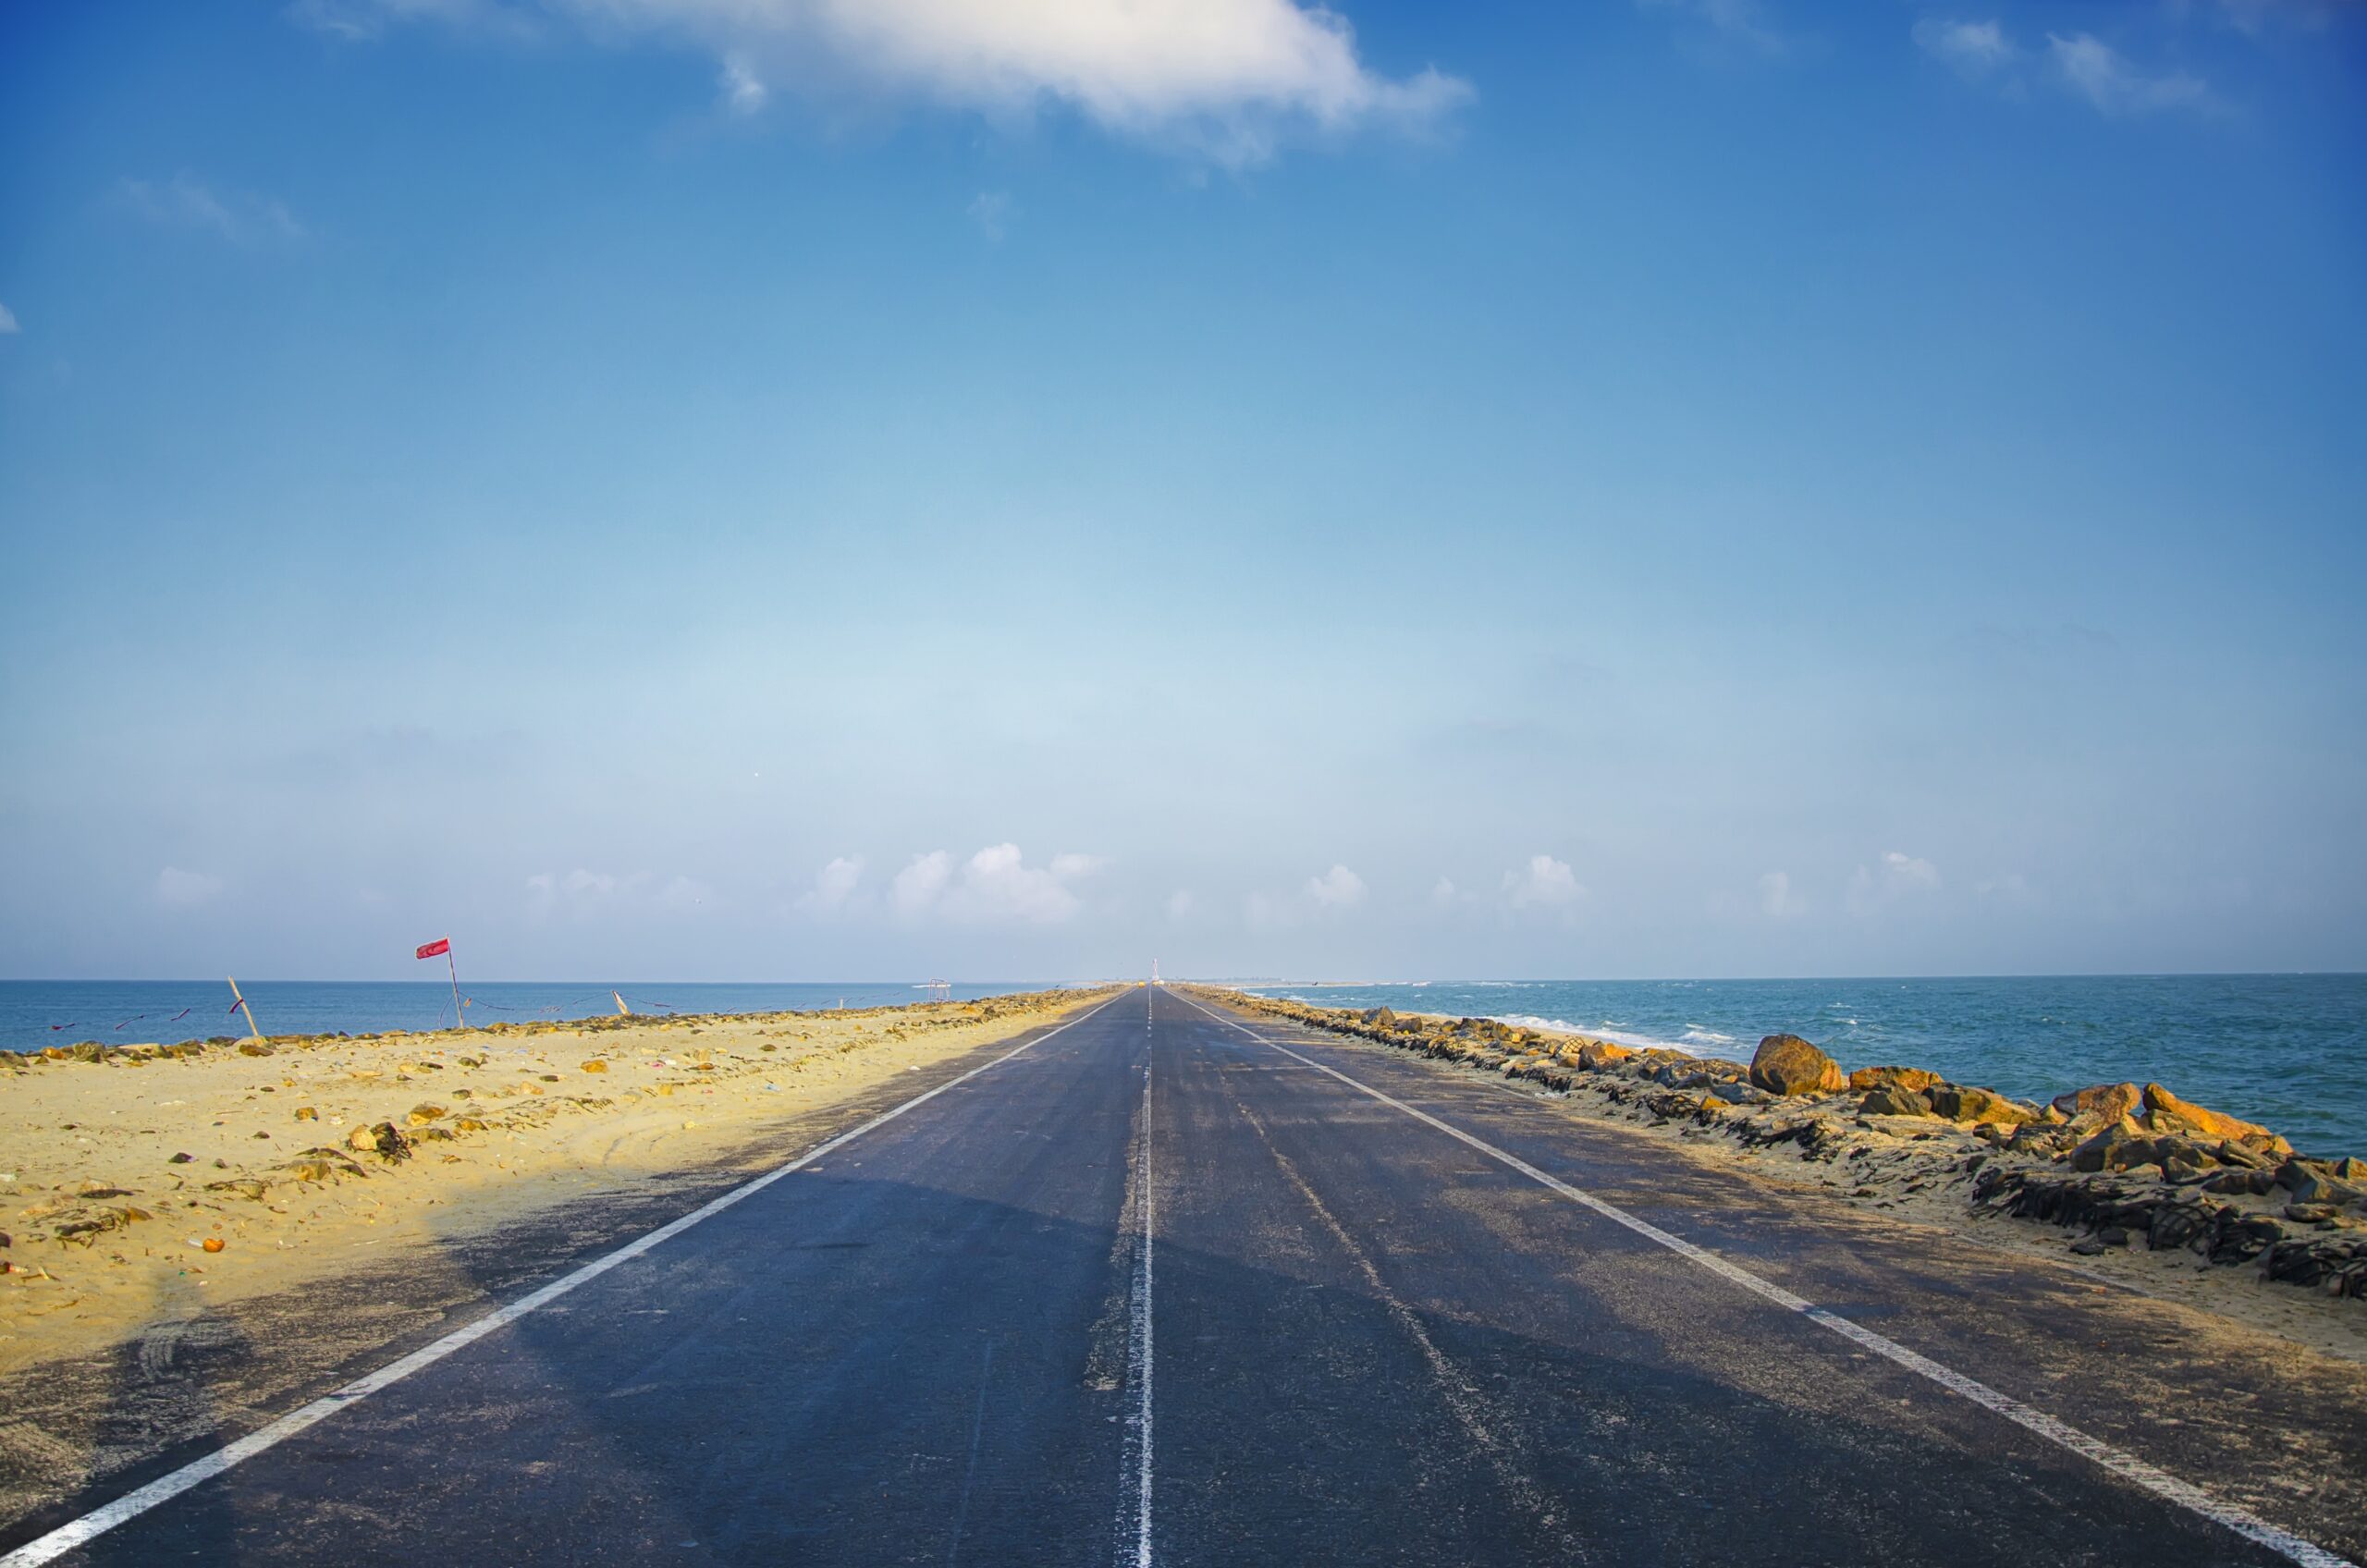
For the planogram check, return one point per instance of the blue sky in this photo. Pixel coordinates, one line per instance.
(681, 489)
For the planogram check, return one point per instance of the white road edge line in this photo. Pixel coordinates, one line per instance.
(2127, 1465)
(1134, 1516)
(99, 1521)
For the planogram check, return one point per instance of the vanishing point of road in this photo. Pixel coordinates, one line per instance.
(1172, 1284)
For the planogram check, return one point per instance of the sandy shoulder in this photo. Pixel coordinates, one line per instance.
(118, 1176)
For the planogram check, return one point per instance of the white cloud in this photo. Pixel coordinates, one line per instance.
(599, 883)
(992, 212)
(1776, 898)
(185, 201)
(1442, 892)
(186, 889)
(1972, 49)
(994, 887)
(1336, 888)
(742, 93)
(1907, 868)
(1227, 78)
(833, 884)
(2106, 78)
(8, 321)
(1179, 904)
(1544, 881)
(917, 886)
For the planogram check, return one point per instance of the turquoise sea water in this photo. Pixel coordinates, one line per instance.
(34, 1014)
(2287, 1050)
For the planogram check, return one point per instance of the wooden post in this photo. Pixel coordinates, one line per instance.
(460, 1019)
(622, 1010)
(245, 1008)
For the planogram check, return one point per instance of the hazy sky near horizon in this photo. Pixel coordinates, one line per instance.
(704, 490)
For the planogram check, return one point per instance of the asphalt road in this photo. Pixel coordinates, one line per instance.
(1164, 1287)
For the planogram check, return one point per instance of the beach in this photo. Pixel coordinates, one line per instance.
(150, 1183)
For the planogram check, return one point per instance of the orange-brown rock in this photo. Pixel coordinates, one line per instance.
(1597, 1054)
(1914, 1080)
(2100, 1105)
(2165, 1112)
(1786, 1064)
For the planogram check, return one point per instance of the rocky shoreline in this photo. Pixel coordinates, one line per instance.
(2123, 1166)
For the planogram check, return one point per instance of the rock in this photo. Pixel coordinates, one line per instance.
(2309, 1213)
(2310, 1182)
(468, 1124)
(2099, 1104)
(1786, 1064)
(595, 1065)
(2092, 1153)
(2165, 1112)
(253, 1047)
(180, 1160)
(1960, 1104)
(422, 1114)
(2112, 1236)
(2352, 1169)
(2239, 1181)
(2088, 1246)
(307, 1113)
(1893, 1099)
(1598, 1054)
(382, 1140)
(243, 1186)
(1914, 1080)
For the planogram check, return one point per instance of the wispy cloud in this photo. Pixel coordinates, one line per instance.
(1544, 881)
(186, 201)
(741, 91)
(2106, 77)
(1336, 888)
(1776, 898)
(2082, 64)
(1907, 868)
(992, 212)
(1227, 78)
(8, 321)
(1732, 21)
(1972, 49)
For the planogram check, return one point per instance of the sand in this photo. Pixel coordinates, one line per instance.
(117, 1177)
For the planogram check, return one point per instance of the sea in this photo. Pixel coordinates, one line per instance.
(2286, 1051)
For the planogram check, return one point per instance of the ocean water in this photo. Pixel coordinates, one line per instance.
(2285, 1051)
(35, 1013)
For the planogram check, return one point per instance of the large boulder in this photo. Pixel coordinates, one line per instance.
(2100, 1105)
(2165, 1112)
(1786, 1064)
(1959, 1103)
(1914, 1080)
(1596, 1055)
(2109, 1143)
(1893, 1099)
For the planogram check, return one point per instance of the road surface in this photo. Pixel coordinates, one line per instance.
(1169, 1284)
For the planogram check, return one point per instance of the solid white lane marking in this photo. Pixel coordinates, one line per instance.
(1133, 1500)
(99, 1521)
(2127, 1465)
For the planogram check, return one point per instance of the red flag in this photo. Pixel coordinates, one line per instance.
(441, 945)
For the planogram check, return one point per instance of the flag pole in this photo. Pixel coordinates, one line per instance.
(459, 1019)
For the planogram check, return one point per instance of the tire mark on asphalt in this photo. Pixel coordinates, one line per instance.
(1490, 1431)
